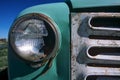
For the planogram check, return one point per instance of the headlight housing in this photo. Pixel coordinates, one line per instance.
(35, 38)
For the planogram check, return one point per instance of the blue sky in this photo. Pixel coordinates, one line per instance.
(9, 9)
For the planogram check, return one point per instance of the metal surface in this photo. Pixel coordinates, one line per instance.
(95, 46)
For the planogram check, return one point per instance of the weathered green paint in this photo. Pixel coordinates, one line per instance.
(93, 3)
(59, 14)
(60, 70)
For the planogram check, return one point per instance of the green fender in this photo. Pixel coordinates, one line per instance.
(93, 3)
(60, 69)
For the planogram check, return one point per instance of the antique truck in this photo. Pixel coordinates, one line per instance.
(71, 40)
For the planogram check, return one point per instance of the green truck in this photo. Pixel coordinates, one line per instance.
(71, 40)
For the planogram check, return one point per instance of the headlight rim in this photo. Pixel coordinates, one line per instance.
(46, 19)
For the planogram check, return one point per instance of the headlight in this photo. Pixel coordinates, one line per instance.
(34, 38)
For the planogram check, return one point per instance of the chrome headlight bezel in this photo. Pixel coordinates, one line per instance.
(51, 26)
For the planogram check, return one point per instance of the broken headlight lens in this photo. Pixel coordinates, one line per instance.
(34, 38)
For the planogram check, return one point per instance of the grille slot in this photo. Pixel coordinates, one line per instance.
(104, 65)
(104, 53)
(95, 77)
(110, 51)
(104, 37)
(105, 22)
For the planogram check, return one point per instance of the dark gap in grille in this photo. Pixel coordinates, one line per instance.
(104, 65)
(105, 22)
(94, 51)
(95, 77)
(104, 37)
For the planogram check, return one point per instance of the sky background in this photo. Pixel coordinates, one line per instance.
(9, 9)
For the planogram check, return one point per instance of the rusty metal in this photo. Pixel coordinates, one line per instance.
(95, 45)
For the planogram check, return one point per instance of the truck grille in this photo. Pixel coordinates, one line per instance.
(95, 46)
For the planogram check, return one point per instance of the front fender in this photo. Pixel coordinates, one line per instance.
(60, 69)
